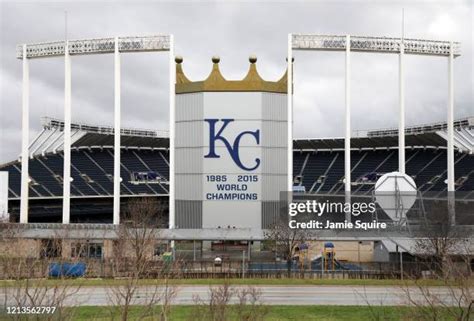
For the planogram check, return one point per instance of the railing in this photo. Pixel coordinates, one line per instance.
(51, 123)
(374, 44)
(113, 268)
(427, 128)
(95, 46)
(57, 226)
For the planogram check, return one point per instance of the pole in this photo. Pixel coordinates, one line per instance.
(25, 132)
(323, 263)
(450, 150)
(347, 139)
(401, 93)
(172, 80)
(451, 119)
(401, 264)
(117, 126)
(358, 251)
(67, 136)
(243, 264)
(290, 113)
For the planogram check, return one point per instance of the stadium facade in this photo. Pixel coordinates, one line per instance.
(318, 166)
(229, 156)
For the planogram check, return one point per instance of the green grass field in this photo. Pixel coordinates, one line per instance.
(275, 313)
(283, 281)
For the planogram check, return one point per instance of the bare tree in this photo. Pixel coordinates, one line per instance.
(250, 307)
(217, 308)
(286, 240)
(377, 312)
(227, 303)
(452, 301)
(28, 274)
(134, 260)
(441, 238)
(444, 249)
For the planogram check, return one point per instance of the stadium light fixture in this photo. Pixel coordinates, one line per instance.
(95, 46)
(66, 49)
(347, 125)
(401, 46)
(375, 44)
(25, 133)
(117, 126)
(67, 135)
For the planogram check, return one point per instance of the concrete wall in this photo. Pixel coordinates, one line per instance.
(381, 253)
(24, 248)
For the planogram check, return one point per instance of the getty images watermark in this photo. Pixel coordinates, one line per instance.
(314, 208)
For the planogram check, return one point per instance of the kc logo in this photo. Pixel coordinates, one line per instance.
(232, 149)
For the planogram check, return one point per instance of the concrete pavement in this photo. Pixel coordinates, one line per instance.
(271, 295)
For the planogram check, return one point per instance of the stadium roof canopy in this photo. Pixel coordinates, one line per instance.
(96, 139)
(421, 246)
(431, 135)
(50, 140)
(425, 139)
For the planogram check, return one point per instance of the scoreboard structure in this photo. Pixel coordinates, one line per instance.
(231, 144)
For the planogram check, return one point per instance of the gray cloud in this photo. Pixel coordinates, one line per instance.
(234, 30)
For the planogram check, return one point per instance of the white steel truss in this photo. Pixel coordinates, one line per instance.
(375, 44)
(96, 46)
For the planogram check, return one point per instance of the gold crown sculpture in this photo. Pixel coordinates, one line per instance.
(216, 82)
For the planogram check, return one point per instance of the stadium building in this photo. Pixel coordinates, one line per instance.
(230, 160)
(318, 166)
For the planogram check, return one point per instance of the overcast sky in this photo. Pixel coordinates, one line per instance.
(233, 31)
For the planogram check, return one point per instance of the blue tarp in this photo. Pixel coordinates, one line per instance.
(67, 269)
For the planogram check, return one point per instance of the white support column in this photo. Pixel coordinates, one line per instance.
(117, 126)
(450, 150)
(67, 136)
(347, 138)
(290, 113)
(401, 120)
(25, 132)
(172, 80)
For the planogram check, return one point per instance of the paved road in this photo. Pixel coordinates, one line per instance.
(274, 295)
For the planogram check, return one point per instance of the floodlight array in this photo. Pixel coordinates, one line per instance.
(374, 44)
(96, 46)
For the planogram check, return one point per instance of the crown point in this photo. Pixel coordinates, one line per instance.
(216, 59)
(253, 59)
(178, 59)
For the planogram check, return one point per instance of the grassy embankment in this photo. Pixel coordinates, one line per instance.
(282, 282)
